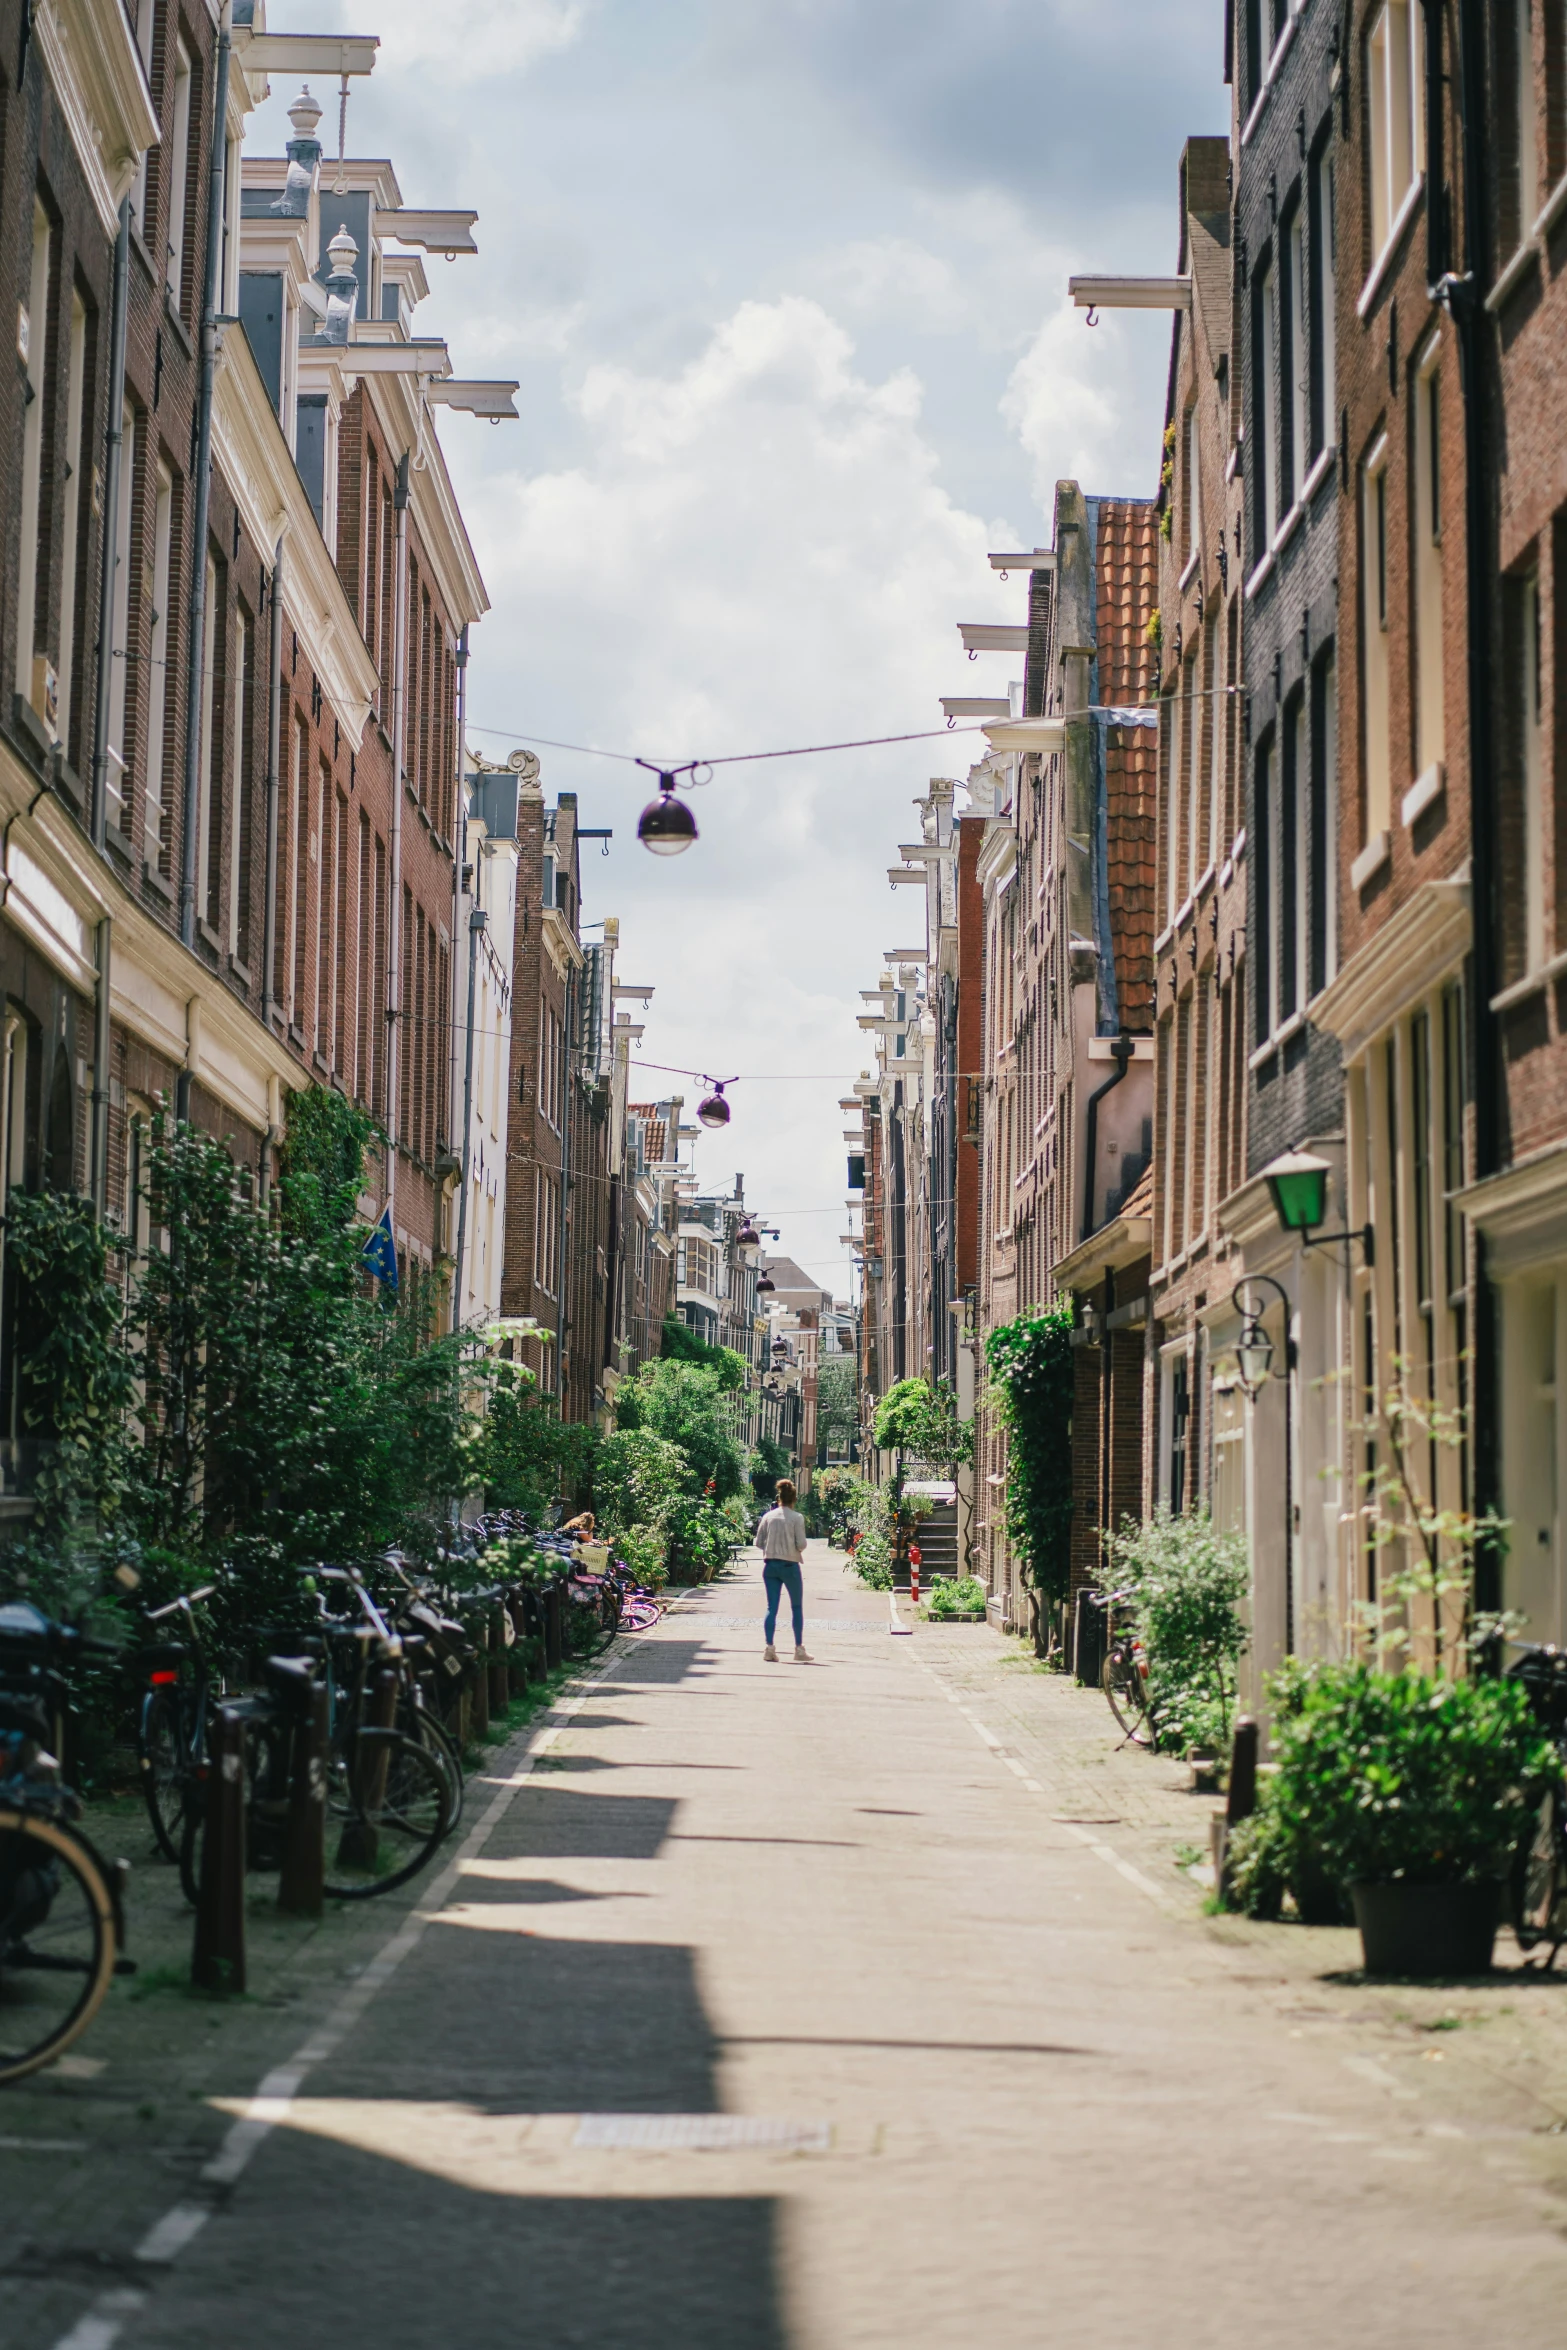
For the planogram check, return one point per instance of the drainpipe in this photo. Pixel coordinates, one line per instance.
(478, 924)
(394, 921)
(1461, 297)
(1121, 1053)
(269, 1002)
(115, 443)
(99, 1176)
(565, 1189)
(195, 700)
(459, 859)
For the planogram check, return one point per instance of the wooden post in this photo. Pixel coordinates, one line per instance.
(554, 1610)
(217, 1960)
(357, 1844)
(500, 1656)
(517, 1654)
(301, 1879)
(1242, 1799)
(481, 1678)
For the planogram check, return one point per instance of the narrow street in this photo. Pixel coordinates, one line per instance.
(864, 2002)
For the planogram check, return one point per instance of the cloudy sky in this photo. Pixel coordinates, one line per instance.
(785, 289)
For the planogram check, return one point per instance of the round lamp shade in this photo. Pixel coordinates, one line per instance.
(1298, 1185)
(766, 1286)
(715, 1110)
(748, 1236)
(666, 826)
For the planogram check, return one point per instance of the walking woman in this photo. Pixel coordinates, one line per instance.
(781, 1540)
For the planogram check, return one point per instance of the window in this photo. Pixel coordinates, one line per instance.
(1294, 354)
(144, 11)
(1323, 958)
(179, 176)
(1193, 483)
(157, 674)
(206, 861)
(1529, 747)
(239, 876)
(1323, 262)
(1373, 638)
(1521, 166)
(1395, 110)
(1291, 859)
(32, 337)
(1427, 567)
(1192, 746)
(1267, 419)
(1260, 853)
(76, 373)
(298, 872)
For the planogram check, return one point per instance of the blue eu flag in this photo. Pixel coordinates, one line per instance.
(380, 1251)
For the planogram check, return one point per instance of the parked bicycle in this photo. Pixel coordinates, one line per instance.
(171, 1725)
(1124, 1675)
(62, 1925)
(1539, 1880)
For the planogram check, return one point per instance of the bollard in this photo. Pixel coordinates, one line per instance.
(1242, 1799)
(500, 1658)
(914, 1574)
(217, 1961)
(554, 1613)
(480, 1670)
(517, 1654)
(301, 1879)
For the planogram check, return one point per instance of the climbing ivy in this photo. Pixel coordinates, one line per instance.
(1030, 1362)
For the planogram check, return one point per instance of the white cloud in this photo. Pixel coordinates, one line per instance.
(755, 551)
(478, 42)
(1086, 402)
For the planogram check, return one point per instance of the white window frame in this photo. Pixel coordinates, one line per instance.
(1374, 643)
(33, 330)
(237, 775)
(1430, 716)
(76, 376)
(179, 174)
(120, 620)
(1270, 402)
(209, 655)
(1395, 149)
(1532, 760)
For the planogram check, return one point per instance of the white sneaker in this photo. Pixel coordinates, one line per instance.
(803, 1656)
(769, 1654)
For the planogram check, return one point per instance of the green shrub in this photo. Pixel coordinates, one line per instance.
(830, 1504)
(884, 1521)
(955, 1596)
(1188, 1584)
(1391, 1775)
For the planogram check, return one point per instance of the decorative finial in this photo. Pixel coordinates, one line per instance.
(304, 114)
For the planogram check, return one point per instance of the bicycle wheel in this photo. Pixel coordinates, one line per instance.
(429, 1731)
(584, 1633)
(1539, 1894)
(57, 1941)
(387, 1811)
(1123, 1686)
(161, 1751)
(638, 1615)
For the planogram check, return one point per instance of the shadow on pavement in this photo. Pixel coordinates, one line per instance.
(556, 1823)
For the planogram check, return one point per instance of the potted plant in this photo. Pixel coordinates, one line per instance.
(1407, 1792)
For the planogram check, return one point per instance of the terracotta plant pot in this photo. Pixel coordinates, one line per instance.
(1427, 1929)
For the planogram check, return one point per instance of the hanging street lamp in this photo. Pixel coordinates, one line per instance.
(666, 825)
(766, 1286)
(715, 1110)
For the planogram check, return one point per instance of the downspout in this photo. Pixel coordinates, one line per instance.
(195, 700)
(113, 453)
(269, 1002)
(1461, 297)
(394, 912)
(478, 924)
(565, 1190)
(459, 859)
(1121, 1052)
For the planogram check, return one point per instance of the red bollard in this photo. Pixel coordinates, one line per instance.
(217, 1961)
(914, 1574)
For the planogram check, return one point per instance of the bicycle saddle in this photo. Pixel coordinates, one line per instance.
(291, 1673)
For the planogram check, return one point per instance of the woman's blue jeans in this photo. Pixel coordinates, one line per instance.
(779, 1576)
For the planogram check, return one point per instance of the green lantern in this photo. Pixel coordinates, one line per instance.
(1298, 1183)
